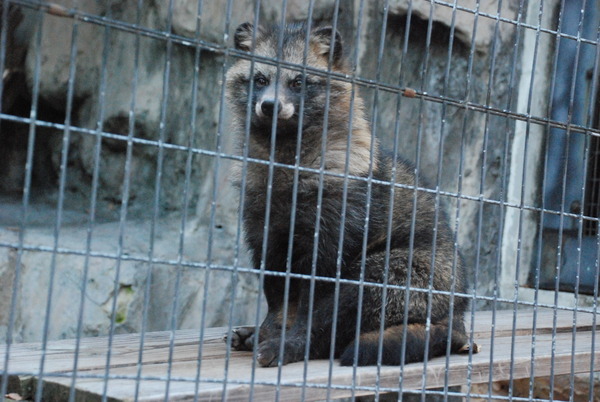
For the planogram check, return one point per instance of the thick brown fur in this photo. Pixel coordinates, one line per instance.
(285, 92)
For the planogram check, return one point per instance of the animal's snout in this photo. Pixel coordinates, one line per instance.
(267, 107)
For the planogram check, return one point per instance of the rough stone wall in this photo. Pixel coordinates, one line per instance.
(103, 100)
(479, 140)
(106, 107)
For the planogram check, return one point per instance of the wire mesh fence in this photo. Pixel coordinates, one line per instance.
(390, 200)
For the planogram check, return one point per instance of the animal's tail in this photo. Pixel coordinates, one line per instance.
(415, 345)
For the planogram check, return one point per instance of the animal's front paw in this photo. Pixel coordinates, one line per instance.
(467, 348)
(268, 352)
(242, 338)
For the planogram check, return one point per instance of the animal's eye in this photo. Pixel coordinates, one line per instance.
(260, 81)
(296, 83)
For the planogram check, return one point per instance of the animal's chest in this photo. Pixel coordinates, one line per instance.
(277, 201)
(279, 210)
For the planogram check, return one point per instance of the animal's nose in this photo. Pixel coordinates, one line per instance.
(268, 106)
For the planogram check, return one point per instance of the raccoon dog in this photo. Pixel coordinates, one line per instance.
(277, 97)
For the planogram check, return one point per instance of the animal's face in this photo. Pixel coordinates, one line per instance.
(277, 94)
(282, 92)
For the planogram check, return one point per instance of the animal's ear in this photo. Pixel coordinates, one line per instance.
(243, 36)
(325, 41)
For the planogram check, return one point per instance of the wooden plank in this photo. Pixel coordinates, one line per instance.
(243, 376)
(502, 321)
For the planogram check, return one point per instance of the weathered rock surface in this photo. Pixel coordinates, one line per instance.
(119, 281)
(463, 17)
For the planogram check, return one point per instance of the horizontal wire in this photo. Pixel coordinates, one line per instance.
(369, 83)
(206, 152)
(496, 17)
(229, 268)
(341, 387)
(66, 12)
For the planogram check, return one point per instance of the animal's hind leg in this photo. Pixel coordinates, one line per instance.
(415, 338)
(422, 306)
(321, 326)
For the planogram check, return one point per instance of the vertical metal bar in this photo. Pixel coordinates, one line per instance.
(523, 174)
(129, 151)
(240, 217)
(122, 213)
(319, 205)
(338, 272)
(367, 206)
(543, 202)
(480, 217)
(424, 75)
(197, 60)
(245, 151)
(504, 181)
(271, 169)
(160, 154)
(390, 211)
(163, 123)
(17, 277)
(437, 196)
(411, 240)
(270, 174)
(279, 58)
(563, 197)
(92, 217)
(63, 168)
(595, 84)
(373, 124)
(483, 172)
(580, 225)
(26, 188)
(459, 192)
(61, 192)
(3, 45)
(288, 268)
(213, 205)
(523, 188)
(192, 133)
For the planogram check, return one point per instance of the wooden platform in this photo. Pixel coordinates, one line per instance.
(298, 379)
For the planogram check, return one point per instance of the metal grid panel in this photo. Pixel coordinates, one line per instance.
(484, 104)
